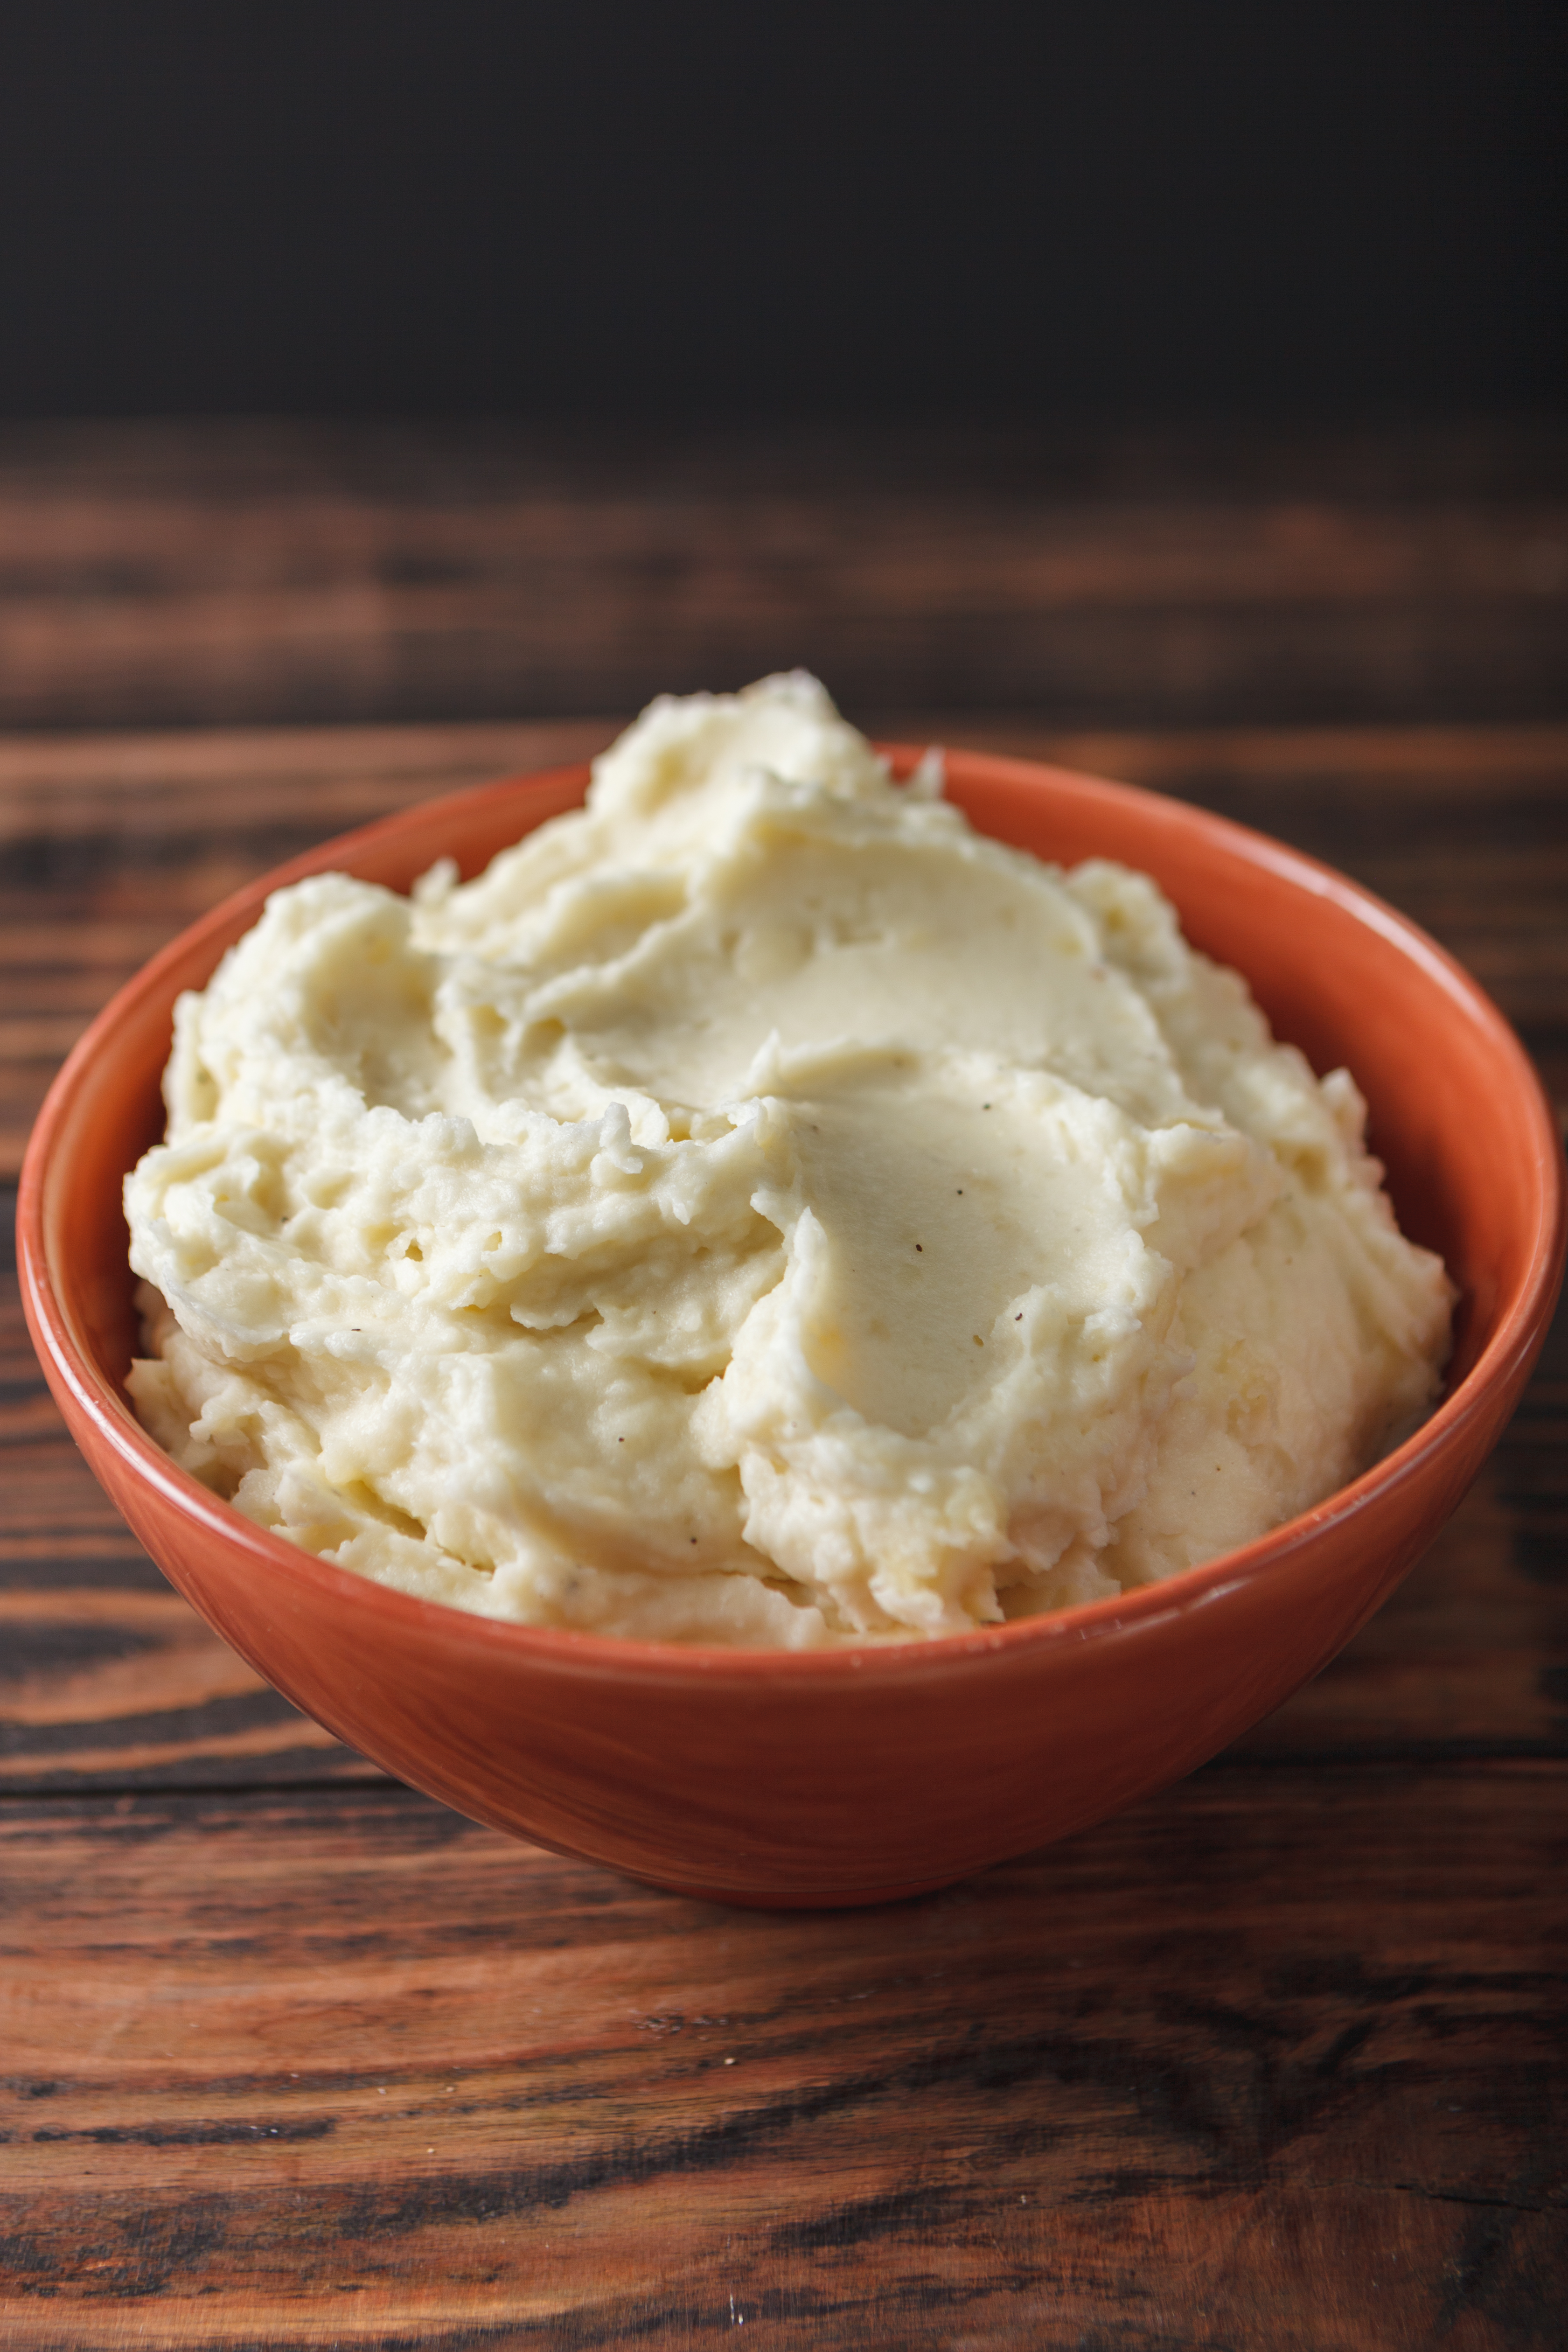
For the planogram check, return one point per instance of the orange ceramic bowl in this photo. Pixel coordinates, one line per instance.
(850, 1776)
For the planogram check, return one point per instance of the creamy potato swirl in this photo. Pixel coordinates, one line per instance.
(761, 1210)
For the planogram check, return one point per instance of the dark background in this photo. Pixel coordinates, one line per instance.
(642, 208)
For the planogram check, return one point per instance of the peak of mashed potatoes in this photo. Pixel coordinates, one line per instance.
(761, 1210)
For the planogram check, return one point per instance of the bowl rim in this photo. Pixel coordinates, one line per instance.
(69, 1363)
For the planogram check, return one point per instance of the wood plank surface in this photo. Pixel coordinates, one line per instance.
(230, 573)
(290, 2055)
(344, 2069)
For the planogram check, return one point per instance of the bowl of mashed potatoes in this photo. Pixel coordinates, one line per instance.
(781, 1315)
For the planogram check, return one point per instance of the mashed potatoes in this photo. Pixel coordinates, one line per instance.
(761, 1210)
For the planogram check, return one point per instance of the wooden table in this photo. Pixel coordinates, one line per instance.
(293, 2056)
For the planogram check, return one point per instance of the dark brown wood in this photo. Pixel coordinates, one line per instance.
(154, 575)
(1279, 2066)
(290, 2055)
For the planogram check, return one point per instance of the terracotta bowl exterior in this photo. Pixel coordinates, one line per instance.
(852, 1776)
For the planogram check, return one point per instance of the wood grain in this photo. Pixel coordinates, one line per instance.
(155, 575)
(345, 2069)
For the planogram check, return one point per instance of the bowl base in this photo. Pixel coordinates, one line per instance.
(826, 1899)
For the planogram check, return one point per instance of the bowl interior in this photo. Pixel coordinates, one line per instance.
(1457, 1115)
